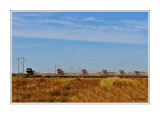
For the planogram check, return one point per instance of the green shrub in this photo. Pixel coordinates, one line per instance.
(107, 82)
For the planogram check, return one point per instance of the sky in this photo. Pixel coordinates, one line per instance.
(80, 40)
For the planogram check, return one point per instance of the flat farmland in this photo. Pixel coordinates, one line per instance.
(96, 90)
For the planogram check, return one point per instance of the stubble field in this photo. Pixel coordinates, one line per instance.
(107, 90)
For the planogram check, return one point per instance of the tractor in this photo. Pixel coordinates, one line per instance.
(59, 72)
(136, 72)
(104, 72)
(29, 72)
(121, 72)
(84, 72)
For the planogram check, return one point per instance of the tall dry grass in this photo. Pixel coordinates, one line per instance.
(79, 89)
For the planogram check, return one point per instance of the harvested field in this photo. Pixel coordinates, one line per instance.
(109, 90)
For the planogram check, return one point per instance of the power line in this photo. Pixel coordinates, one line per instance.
(55, 68)
(20, 61)
(23, 64)
(18, 64)
(71, 68)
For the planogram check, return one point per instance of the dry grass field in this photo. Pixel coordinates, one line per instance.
(79, 89)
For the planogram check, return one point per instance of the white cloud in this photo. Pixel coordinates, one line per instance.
(75, 18)
(26, 45)
(57, 21)
(91, 19)
(83, 35)
(122, 31)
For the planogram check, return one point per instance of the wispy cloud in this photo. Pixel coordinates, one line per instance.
(72, 18)
(15, 46)
(75, 18)
(84, 35)
(119, 31)
(91, 19)
(63, 22)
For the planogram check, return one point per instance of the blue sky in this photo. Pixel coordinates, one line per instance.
(89, 40)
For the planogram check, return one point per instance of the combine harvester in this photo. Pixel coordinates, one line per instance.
(121, 72)
(29, 72)
(104, 74)
(84, 72)
(59, 72)
(136, 73)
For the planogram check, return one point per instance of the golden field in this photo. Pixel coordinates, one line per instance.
(115, 89)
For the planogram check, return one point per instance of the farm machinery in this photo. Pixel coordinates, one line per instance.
(121, 72)
(84, 72)
(136, 72)
(29, 72)
(59, 72)
(104, 72)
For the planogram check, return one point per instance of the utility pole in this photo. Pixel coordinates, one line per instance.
(55, 69)
(18, 65)
(23, 64)
(71, 69)
(20, 62)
